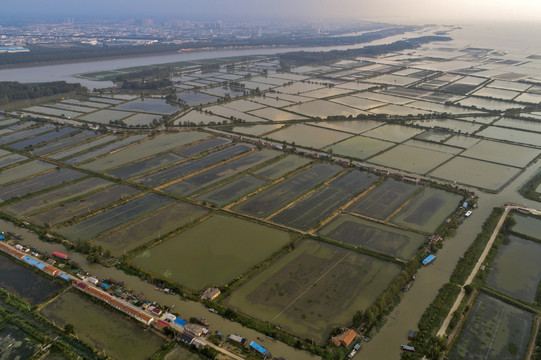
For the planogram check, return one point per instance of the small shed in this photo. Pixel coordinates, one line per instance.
(186, 338)
(428, 259)
(237, 338)
(210, 294)
(60, 255)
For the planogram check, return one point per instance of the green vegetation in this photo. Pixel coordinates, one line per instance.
(318, 58)
(425, 342)
(17, 312)
(467, 262)
(14, 91)
(530, 189)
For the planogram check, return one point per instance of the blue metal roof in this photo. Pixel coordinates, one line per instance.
(428, 259)
(180, 321)
(64, 276)
(34, 262)
(465, 205)
(1, 237)
(259, 348)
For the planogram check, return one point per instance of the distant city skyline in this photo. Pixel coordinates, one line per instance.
(401, 11)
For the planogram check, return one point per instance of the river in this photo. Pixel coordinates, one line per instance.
(68, 71)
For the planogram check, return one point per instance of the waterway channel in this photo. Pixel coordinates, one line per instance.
(386, 344)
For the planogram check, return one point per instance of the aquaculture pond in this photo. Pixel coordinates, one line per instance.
(82, 206)
(153, 227)
(104, 328)
(192, 166)
(359, 147)
(40, 182)
(54, 197)
(282, 167)
(374, 236)
(317, 206)
(481, 174)
(385, 199)
(213, 252)
(233, 190)
(528, 225)
(427, 210)
(15, 344)
(308, 291)
(26, 283)
(203, 180)
(493, 330)
(515, 270)
(269, 200)
(112, 218)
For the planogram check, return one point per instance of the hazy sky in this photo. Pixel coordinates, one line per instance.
(455, 11)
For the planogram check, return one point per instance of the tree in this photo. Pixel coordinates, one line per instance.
(69, 329)
(357, 319)
(436, 346)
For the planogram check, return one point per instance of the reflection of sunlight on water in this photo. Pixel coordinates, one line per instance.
(509, 36)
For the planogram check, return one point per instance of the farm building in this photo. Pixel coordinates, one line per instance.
(117, 304)
(194, 329)
(210, 294)
(9, 250)
(237, 338)
(259, 349)
(186, 338)
(155, 310)
(344, 339)
(60, 255)
(180, 322)
(170, 317)
(428, 259)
